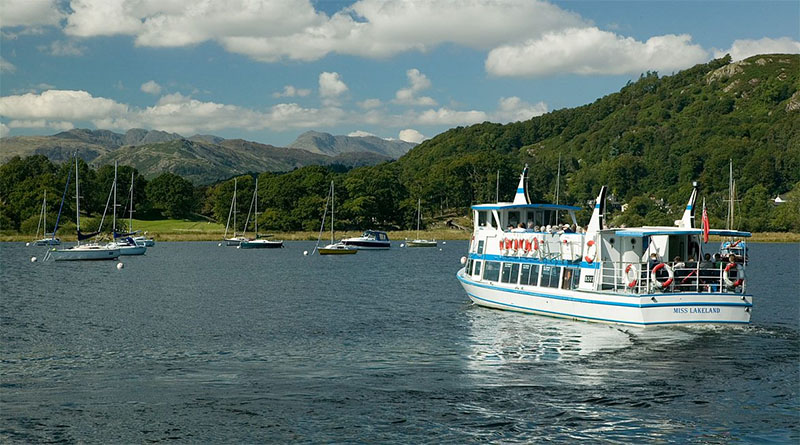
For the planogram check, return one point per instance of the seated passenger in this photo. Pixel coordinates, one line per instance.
(568, 229)
(677, 263)
(530, 225)
(706, 263)
(520, 228)
(653, 261)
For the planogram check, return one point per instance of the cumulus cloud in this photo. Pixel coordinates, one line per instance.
(63, 48)
(59, 105)
(331, 87)
(742, 49)
(593, 51)
(30, 13)
(6, 66)
(360, 134)
(369, 104)
(290, 91)
(514, 109)
(271, 30)
(408, 96)
(447, 116)
(411, 135)
(151, 87)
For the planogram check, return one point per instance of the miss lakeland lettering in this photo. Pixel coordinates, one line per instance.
(696, 310)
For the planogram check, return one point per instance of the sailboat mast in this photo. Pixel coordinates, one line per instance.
(130, 218)
(114, 223)
(419, 214)
(44, 216)
(730, 196)
(255, 197)
(558, 183)
(234, 207)
(332, 211)
(77, 202)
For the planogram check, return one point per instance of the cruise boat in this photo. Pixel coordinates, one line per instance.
(369, 240)
(602, 274)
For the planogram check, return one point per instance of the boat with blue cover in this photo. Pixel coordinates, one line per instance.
(369, 240)
(632, 276)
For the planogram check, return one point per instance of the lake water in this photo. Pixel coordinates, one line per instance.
(200, 343)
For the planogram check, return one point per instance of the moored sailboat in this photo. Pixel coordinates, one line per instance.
(333, 248)
(48, 239)
(123, 241)
(603, 274)
(233, 240)
(256, 242)
(420, 242)
(80, 252)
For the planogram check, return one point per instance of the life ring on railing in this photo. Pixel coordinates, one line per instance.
(735, 243)
(502, 243)
(670, 275)
(631, 278)
(535, 243)
(591, 251)
(516, 244)
(527, 246)
(508, 244)
(739, 275)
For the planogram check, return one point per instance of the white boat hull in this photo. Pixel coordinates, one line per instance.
(47, 242)
(132, 250)
(637, 310)
(422, 243)
(85, 253)
(147, 242)
(260, 244)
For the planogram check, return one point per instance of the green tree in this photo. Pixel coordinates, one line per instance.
(171, 194)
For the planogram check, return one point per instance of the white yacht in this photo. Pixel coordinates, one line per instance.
(48, 239)
(603, 274)
(369, 240)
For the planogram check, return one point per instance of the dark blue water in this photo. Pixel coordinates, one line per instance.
(199, 343)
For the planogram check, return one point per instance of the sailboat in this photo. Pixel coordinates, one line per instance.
(333, 248)
(420, 242)
(48, 239)
(123, 241)
(234, 240)
(256, 243)
(732, 246)
(81, 252)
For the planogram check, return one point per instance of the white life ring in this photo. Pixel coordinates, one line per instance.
(739, 275)
(670, 275)
(591, 252)
(631, 276)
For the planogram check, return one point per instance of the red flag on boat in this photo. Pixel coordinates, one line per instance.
(706, 225)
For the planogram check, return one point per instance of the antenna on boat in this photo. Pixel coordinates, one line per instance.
(558, 183)
(497, 188)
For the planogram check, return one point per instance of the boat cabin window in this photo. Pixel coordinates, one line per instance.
(491, 271)
(510, 273)
(550, 276)
(513, 218)
(480, 246)
(483, 218)
(477, 268)
(530, 274)
(571, 279)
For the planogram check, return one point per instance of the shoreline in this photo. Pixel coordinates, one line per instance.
(396, 236)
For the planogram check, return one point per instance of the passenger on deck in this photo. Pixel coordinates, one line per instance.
(535, 228)
(677, 263)
(691, 263)
(706, 263)
(568, 229)
(653, 261)
(530, 225)
(520, 228)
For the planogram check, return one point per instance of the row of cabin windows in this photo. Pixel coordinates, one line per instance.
(535, 217)
(525, 274)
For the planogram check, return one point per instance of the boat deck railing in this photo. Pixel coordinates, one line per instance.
(638, 278)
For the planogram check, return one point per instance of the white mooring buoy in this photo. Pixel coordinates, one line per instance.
(27, 244)
(120, 266)
(33, 259)
(402, 245)
(463, 260)
(305, 253)
(220, 244)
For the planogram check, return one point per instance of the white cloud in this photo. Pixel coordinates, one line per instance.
(6, 66)
(369, 104)
(65, 105)
(151, 87)
(290, 91)
(593, 51)
(514, 109)
(331, 87)
(411, 135)
(360, 134)
(30, 13)
(63, 48)
(271, 30)
(742, 49)
(408, 96)
(447, 116)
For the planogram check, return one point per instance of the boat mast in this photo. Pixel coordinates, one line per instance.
(558, 183)
(77, 202)
(114, 223)
(419, 215)
(332, 212)
(130, 218)
(255, 197)
(44, 217)
(234, 207)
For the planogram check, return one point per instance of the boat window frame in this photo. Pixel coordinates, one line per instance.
(533, 270)
(476, 268)
(489, 267)
(553, 280)
(481, 244)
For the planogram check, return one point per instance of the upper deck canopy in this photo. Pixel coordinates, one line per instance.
(640, 232)
(508, 205)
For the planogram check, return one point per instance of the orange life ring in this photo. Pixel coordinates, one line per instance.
(631, 279)
(535, 243)
(527, 246)
(508, 244)
(670, 275)
(739, 275)
(502, 243)
(516, 244)
(591, 247)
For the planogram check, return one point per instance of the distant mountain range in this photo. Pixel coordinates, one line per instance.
(327, 144)
(203, 159)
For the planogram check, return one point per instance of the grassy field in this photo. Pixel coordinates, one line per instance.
(201, 230)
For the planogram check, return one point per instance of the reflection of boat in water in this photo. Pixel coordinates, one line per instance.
(333, 248)
(369, 240)
(600, 275)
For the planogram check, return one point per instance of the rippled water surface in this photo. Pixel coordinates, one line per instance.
(200, 343)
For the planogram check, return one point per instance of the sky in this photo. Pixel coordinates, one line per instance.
(269, 70)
